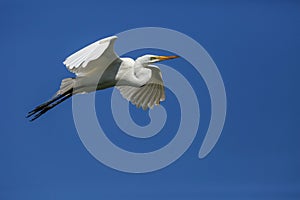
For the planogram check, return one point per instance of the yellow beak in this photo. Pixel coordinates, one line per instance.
(161, 58)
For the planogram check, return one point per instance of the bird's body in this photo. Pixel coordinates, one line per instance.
(98, 67)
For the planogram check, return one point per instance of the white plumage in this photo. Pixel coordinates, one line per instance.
(97, 67)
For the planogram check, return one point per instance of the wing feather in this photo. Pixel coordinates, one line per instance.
(148, 98)
(152, 93)
(142, 100)
(152, 100)
(100, 52)
(143, 94)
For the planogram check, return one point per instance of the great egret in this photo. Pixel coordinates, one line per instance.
(98, 67)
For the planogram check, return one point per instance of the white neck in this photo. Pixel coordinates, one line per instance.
(142, 73)
(133, 73)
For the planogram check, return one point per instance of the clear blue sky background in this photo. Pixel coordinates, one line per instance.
(256, 45)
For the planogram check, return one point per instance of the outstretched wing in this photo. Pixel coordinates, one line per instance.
(98, 54)
(148, 95)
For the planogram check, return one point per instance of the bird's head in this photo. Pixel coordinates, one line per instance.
(148, 59)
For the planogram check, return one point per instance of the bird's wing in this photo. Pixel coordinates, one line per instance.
(97, 54)
(148, 95)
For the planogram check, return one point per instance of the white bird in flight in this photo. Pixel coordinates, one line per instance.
(97, 67)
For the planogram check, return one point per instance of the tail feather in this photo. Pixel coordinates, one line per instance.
(65, 92)
(66, 85)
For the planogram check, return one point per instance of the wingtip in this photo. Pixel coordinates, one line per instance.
(108, 39)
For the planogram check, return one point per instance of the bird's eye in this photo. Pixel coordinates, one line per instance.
(152, 58)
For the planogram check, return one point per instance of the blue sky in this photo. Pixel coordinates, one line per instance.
(256, 47)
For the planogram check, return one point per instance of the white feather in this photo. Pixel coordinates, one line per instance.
(101, 51)
(148, 95)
